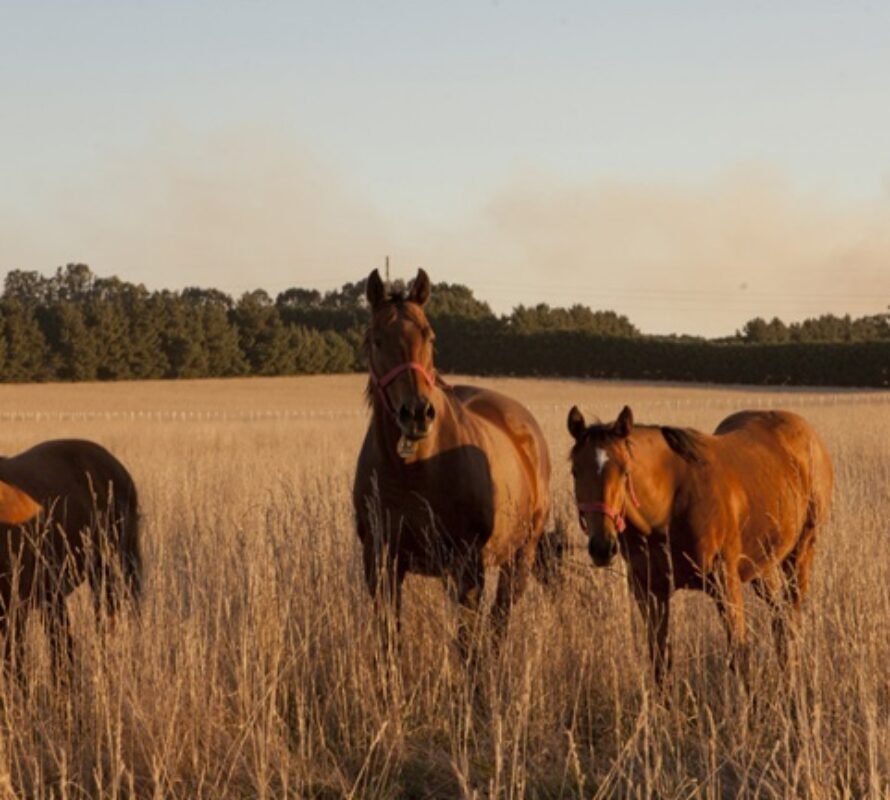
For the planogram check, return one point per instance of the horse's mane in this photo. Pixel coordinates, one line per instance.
(685, 442)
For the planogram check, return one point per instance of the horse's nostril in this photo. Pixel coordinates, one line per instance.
(430, 412)
(602, 551)
(404, 413)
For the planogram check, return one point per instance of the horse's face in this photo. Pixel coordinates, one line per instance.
(400, 347)
(600, 469)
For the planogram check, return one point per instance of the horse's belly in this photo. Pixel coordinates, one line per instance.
(514, 522)
(36, 561)
(768, 538)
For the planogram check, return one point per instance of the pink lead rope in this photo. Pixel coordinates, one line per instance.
(604, 508)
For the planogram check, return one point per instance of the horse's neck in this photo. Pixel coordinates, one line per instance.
(384, 429)
(656, 474)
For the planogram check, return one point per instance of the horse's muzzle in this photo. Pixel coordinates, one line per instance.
(415, 419)
(602, 550)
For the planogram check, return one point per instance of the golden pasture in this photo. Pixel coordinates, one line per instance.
(253, 671)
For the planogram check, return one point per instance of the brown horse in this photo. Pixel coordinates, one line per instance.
(688, 510)
(450, 480)
(68, 513)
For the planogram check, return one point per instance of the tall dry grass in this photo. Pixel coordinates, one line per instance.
(254, 669)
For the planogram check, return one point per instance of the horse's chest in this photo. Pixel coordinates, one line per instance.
(666, 560)
(446, 505)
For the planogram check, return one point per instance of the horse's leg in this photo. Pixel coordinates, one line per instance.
(769, 588)
(725, 587)
(12, 626)
(512, 580)
(384, 577)
(58, 629)
(655, 608)
(796, 573)
(104, 597)
(466, 585)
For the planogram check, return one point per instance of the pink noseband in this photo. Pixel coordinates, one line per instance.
(382, 382)
(394, 373)
(613, 514)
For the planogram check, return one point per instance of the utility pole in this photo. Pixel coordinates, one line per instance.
(386, 270)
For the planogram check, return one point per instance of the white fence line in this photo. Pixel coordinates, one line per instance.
(768, 400)
(777, 400)
(176, 415)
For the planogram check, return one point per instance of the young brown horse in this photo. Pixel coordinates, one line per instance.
(68, 513)
(450, 480)
(688, 510)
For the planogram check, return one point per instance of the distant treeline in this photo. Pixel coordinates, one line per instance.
(76, 326)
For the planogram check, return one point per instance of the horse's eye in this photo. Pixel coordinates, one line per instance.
(378, 342)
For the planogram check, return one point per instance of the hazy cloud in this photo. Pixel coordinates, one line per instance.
(251, 209)
(235, 212)
(682, 258)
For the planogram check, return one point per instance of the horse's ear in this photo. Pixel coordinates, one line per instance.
(375, 290)
(625, 423)
(576, 424)
(420, 289)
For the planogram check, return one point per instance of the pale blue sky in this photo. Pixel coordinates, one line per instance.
(625, 155)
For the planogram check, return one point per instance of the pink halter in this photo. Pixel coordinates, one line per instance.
(394, 373)
(613, 514)
(382, 382)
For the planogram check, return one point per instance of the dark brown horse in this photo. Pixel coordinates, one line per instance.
(450, 480)
(689, 510)
(68, 513)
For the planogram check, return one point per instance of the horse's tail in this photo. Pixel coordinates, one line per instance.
(116, 575)
(129, 549)
(550, 554)
(821, 485)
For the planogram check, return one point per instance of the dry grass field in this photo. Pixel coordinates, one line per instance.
(254, 671)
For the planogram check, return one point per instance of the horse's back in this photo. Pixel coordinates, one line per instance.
(791, 444)
(511, 417)
(73, 468)
(782, 423)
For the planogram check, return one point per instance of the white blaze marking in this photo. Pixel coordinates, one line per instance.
(602, 458)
